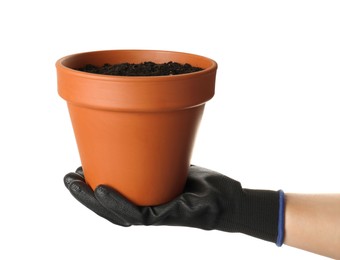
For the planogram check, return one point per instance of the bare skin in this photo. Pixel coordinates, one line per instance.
(312, 223)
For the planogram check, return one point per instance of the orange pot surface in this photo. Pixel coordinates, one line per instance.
(136, 134)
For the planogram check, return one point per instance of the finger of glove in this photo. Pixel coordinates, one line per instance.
(84, 194)
(71, 177)
(117, 204)
(80, 171)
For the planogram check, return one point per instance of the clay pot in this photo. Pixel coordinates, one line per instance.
(136, 134)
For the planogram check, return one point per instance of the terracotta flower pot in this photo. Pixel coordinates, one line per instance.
(136, 134)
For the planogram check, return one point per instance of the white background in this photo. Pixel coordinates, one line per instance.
(273, 123)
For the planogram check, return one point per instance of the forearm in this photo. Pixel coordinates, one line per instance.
(312, 223)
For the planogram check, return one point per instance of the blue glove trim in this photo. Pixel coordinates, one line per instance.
(281, 225)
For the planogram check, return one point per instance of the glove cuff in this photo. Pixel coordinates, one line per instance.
(258, 214)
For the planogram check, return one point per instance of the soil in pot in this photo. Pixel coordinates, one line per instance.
(141, 69)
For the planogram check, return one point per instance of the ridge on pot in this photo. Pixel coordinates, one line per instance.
(136, 134)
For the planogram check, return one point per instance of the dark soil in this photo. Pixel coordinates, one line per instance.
(142, 69)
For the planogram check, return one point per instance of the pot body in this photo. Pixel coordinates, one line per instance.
(136, 134)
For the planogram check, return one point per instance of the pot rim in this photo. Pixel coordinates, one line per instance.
(135, 93)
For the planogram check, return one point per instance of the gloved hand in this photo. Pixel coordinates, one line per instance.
(209, 201)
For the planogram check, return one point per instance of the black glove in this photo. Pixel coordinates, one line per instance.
(209, 201)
